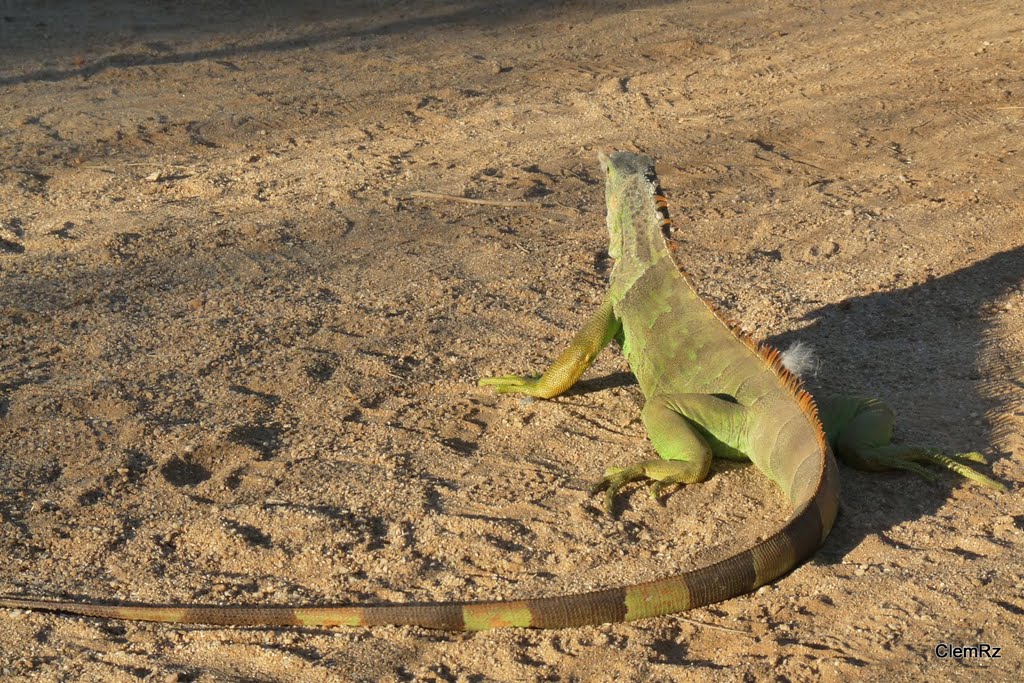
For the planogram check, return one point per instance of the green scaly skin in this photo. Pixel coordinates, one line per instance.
(709, 392)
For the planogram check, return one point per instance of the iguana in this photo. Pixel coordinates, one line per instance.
(710, 391)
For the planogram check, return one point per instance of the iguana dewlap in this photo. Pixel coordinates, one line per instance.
(709, 391)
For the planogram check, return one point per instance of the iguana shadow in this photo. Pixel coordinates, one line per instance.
(927, 349)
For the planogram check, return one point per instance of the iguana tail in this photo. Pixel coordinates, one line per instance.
(732, 576)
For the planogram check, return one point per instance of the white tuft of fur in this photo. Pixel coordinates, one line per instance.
(800, 359)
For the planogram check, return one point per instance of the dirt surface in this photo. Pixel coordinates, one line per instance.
(238, 354)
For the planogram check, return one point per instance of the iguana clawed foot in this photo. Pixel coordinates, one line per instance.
(955, 463)
(913, 458)
(860, 430)
(513, 384)
(509, 384)
(664, 473)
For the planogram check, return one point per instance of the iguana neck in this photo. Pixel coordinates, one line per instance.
(637, 220)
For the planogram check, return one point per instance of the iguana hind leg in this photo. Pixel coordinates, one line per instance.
(860, 430)
(679, 428)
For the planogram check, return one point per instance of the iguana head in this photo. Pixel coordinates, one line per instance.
(633, 199)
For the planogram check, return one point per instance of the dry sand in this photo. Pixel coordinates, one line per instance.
(238, 354)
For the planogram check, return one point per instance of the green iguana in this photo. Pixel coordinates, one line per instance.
(710, 391)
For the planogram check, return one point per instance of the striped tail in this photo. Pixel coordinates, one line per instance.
(732, 576)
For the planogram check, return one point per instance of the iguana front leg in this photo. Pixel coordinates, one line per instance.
(600, 329)
(860, 431)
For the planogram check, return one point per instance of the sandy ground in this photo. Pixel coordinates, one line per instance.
(238, 354)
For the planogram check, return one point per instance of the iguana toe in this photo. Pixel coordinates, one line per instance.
(914, 459)
(664, 473)
(954, 464)
(659, 486)
(614, 479)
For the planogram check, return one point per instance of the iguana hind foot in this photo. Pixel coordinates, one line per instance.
(954, 463)
(860, 430)
(913, 458)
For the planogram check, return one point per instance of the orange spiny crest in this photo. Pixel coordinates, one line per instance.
(793, 384)
(810, 408)
(687, 278)
(661, 208)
